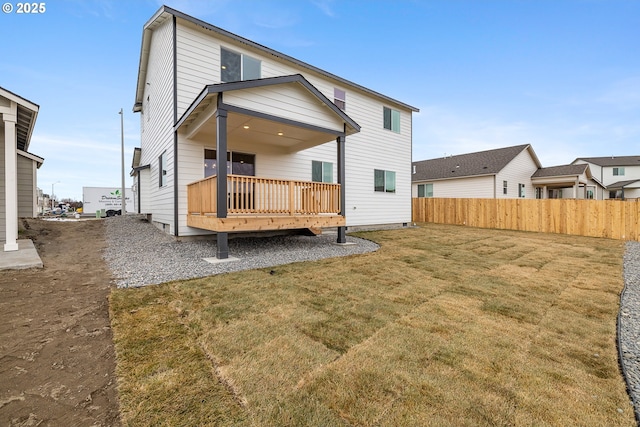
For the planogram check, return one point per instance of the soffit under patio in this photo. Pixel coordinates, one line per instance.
(289, 115)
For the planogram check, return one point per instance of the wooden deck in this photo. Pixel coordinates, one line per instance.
(257, 204)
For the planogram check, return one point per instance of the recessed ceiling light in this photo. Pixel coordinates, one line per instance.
(246, 126)
(280, 133)
(224, 67)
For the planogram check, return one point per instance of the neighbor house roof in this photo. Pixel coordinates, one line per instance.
(488, 162)
(623, 184)
(164, 12)
(562, 170)
(612, 160)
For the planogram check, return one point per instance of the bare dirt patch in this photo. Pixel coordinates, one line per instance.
(57, 359)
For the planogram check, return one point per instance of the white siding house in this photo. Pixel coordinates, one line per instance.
(304, 148)
(501, 173)
(18, 185)
(510, 172)
(620, 175)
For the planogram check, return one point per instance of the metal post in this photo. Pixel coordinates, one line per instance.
(122, 145)
(222, 245)
(341, 178)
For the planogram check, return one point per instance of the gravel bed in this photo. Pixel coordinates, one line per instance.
(140, 254)
(629, 324)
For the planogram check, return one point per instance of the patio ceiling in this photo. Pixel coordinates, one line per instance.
(285, 112)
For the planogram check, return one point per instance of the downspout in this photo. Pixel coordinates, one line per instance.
(175, 132)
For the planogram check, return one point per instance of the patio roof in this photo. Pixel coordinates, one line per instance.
(258, 119)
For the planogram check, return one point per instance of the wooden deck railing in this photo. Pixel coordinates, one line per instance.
(253, 195)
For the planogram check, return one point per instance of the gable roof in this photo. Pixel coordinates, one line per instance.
(214, 89)
(164, 12)
(562, 170)
(612, 160)
(27, 114)
(481, 163)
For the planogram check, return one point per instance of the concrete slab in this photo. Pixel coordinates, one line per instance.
(25, 257)
(220, 261)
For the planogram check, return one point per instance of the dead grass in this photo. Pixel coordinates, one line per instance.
(442, 326)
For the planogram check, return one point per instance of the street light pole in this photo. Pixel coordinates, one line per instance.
(122, 144)
(58, 182)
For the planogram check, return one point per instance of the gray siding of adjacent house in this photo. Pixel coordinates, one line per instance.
(26, 187)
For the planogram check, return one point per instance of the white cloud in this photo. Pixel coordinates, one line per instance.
(325, 6)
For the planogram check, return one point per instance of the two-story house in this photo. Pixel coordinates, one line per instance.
(238, 137)
(620, 175)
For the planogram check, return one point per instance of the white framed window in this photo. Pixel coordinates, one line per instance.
(618, 171)
(321, 171)
(162, 169)
(391, 119)
(340, 98)
(521, 190)
(504, 187)
(384, 181)
(236, 66)
(425, 190)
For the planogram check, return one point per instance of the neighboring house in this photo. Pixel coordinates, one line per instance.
(18, 188)
(501, 173)
(566, 182)
(302, 148)
(510, 172)
(620, 175)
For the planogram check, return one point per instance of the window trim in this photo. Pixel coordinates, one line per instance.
(386, 174)
(393, 119)
(619, 171)
(340, 98)
(242, 65)
(324, 172)
(426, 192)
(162, 171)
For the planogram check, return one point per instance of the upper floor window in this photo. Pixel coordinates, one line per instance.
(521, 190)
(425, 190)
(236, 66)
(618, 171)
(504, 187)
(321, 171)
(340, 98)
(391, 119)
(384, 181)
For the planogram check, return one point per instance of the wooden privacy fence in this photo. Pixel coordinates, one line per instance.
(614, 219)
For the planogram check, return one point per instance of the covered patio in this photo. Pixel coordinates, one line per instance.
(282, 115)
(551, 182)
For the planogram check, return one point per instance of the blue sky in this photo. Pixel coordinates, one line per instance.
(561, 75)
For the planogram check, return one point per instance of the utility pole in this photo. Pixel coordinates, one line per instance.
(122, 143)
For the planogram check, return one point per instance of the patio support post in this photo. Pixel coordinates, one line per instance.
(222, 243)
(341, 178)
(10, 181)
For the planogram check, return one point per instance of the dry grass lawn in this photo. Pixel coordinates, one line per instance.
(443, 325)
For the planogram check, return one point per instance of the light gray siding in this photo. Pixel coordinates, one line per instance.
(157, 120)
(27, 197)
(518, 171)
(198, 65)
(478, 187)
